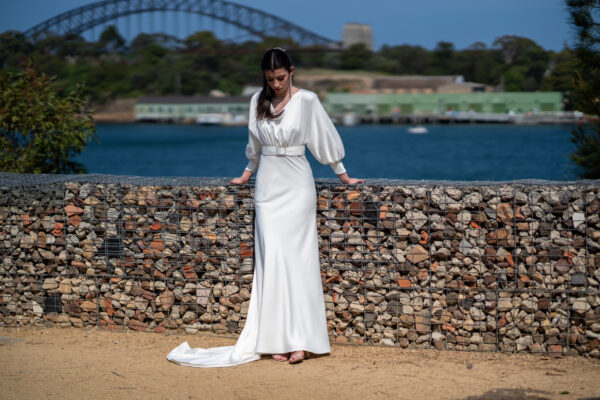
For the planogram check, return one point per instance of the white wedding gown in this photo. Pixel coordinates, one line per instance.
(287, 309)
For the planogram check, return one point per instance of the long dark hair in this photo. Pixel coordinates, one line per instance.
(273, 59)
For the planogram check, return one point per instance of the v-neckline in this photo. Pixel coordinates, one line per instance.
(286, 106)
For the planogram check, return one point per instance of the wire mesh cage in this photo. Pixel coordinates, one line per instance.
(482, 266)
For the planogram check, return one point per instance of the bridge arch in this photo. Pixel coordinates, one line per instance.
(248, 19)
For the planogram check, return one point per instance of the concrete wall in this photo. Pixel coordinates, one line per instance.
(511, 267)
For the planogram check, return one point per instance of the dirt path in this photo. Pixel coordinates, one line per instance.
(55, 363)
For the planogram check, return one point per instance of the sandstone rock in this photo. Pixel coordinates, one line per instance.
(189, 316)
(523, 343)
(185, 224)
(157, 244)
(27, 242)
(71, 210)
(58, 229)
(529, 305)
(477, 314)
(505, 212)
(422, 322)
(230, 289)
(88, 306)
(580, 306)
(356, 308)
(464, 217)
(91, 200)
(46, 254)
(504, 304)
(417, 219)
(65, 287)
(416, 254)
(375, 298)
(245, 294)
(49, 284)
(443, 253)
(166, 299)
(404, 283)
(136, 325)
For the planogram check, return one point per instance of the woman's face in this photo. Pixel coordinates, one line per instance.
(279, 80)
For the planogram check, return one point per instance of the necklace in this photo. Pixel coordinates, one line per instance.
(278, 108)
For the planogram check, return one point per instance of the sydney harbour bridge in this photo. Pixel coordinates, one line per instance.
(228, 21)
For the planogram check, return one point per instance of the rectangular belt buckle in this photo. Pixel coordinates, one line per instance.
(280, 151)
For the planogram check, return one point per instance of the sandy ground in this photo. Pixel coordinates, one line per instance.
(69, 363)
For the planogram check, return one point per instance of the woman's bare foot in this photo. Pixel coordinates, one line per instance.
(296, 357)
(281, 357)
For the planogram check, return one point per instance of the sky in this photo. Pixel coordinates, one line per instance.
(393, 22)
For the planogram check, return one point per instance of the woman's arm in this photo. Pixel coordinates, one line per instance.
(242, 180)
(344, 178)
(324, 141)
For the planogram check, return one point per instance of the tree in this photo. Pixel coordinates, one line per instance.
(525, 62)
(560, 76)
(442, 59)
(477, 63)
(357, 56)
(41, 131)
(583, 17)
(13, 46)
(111, 40)
(407, 59)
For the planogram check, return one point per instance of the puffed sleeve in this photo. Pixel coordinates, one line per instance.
(324, 141)
(253, 148)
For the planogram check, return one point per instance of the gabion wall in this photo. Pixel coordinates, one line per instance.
(510, 267)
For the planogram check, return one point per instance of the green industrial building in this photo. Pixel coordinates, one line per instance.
(364, 107)
(382, 105)
(192, 109)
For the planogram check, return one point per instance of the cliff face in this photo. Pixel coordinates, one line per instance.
(120, 110)
(511, 267)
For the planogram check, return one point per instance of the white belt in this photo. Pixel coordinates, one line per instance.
(283, 151)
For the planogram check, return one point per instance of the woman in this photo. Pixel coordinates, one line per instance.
(286, 315)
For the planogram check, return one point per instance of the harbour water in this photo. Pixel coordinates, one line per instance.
(446, 152)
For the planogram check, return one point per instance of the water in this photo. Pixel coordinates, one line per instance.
(446, 152)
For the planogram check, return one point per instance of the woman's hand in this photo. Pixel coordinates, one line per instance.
(244, 179)
(344, 178)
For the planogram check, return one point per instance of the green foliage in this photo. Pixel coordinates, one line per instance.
(41, 131)
(525, 62)
(586, 82)
(406, 59)
(585, 18)
(357, 56)
(442, 59)
(560, 79)
(160, 64)
(111, 40)
(477, 63)
(587, 155)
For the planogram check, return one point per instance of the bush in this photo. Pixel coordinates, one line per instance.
(40, 131)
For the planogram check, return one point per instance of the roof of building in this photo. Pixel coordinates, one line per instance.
(192, 99)
(413, 82)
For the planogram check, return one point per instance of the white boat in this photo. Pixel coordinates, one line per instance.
(418, 129)
(349, 119)
(209, 119)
